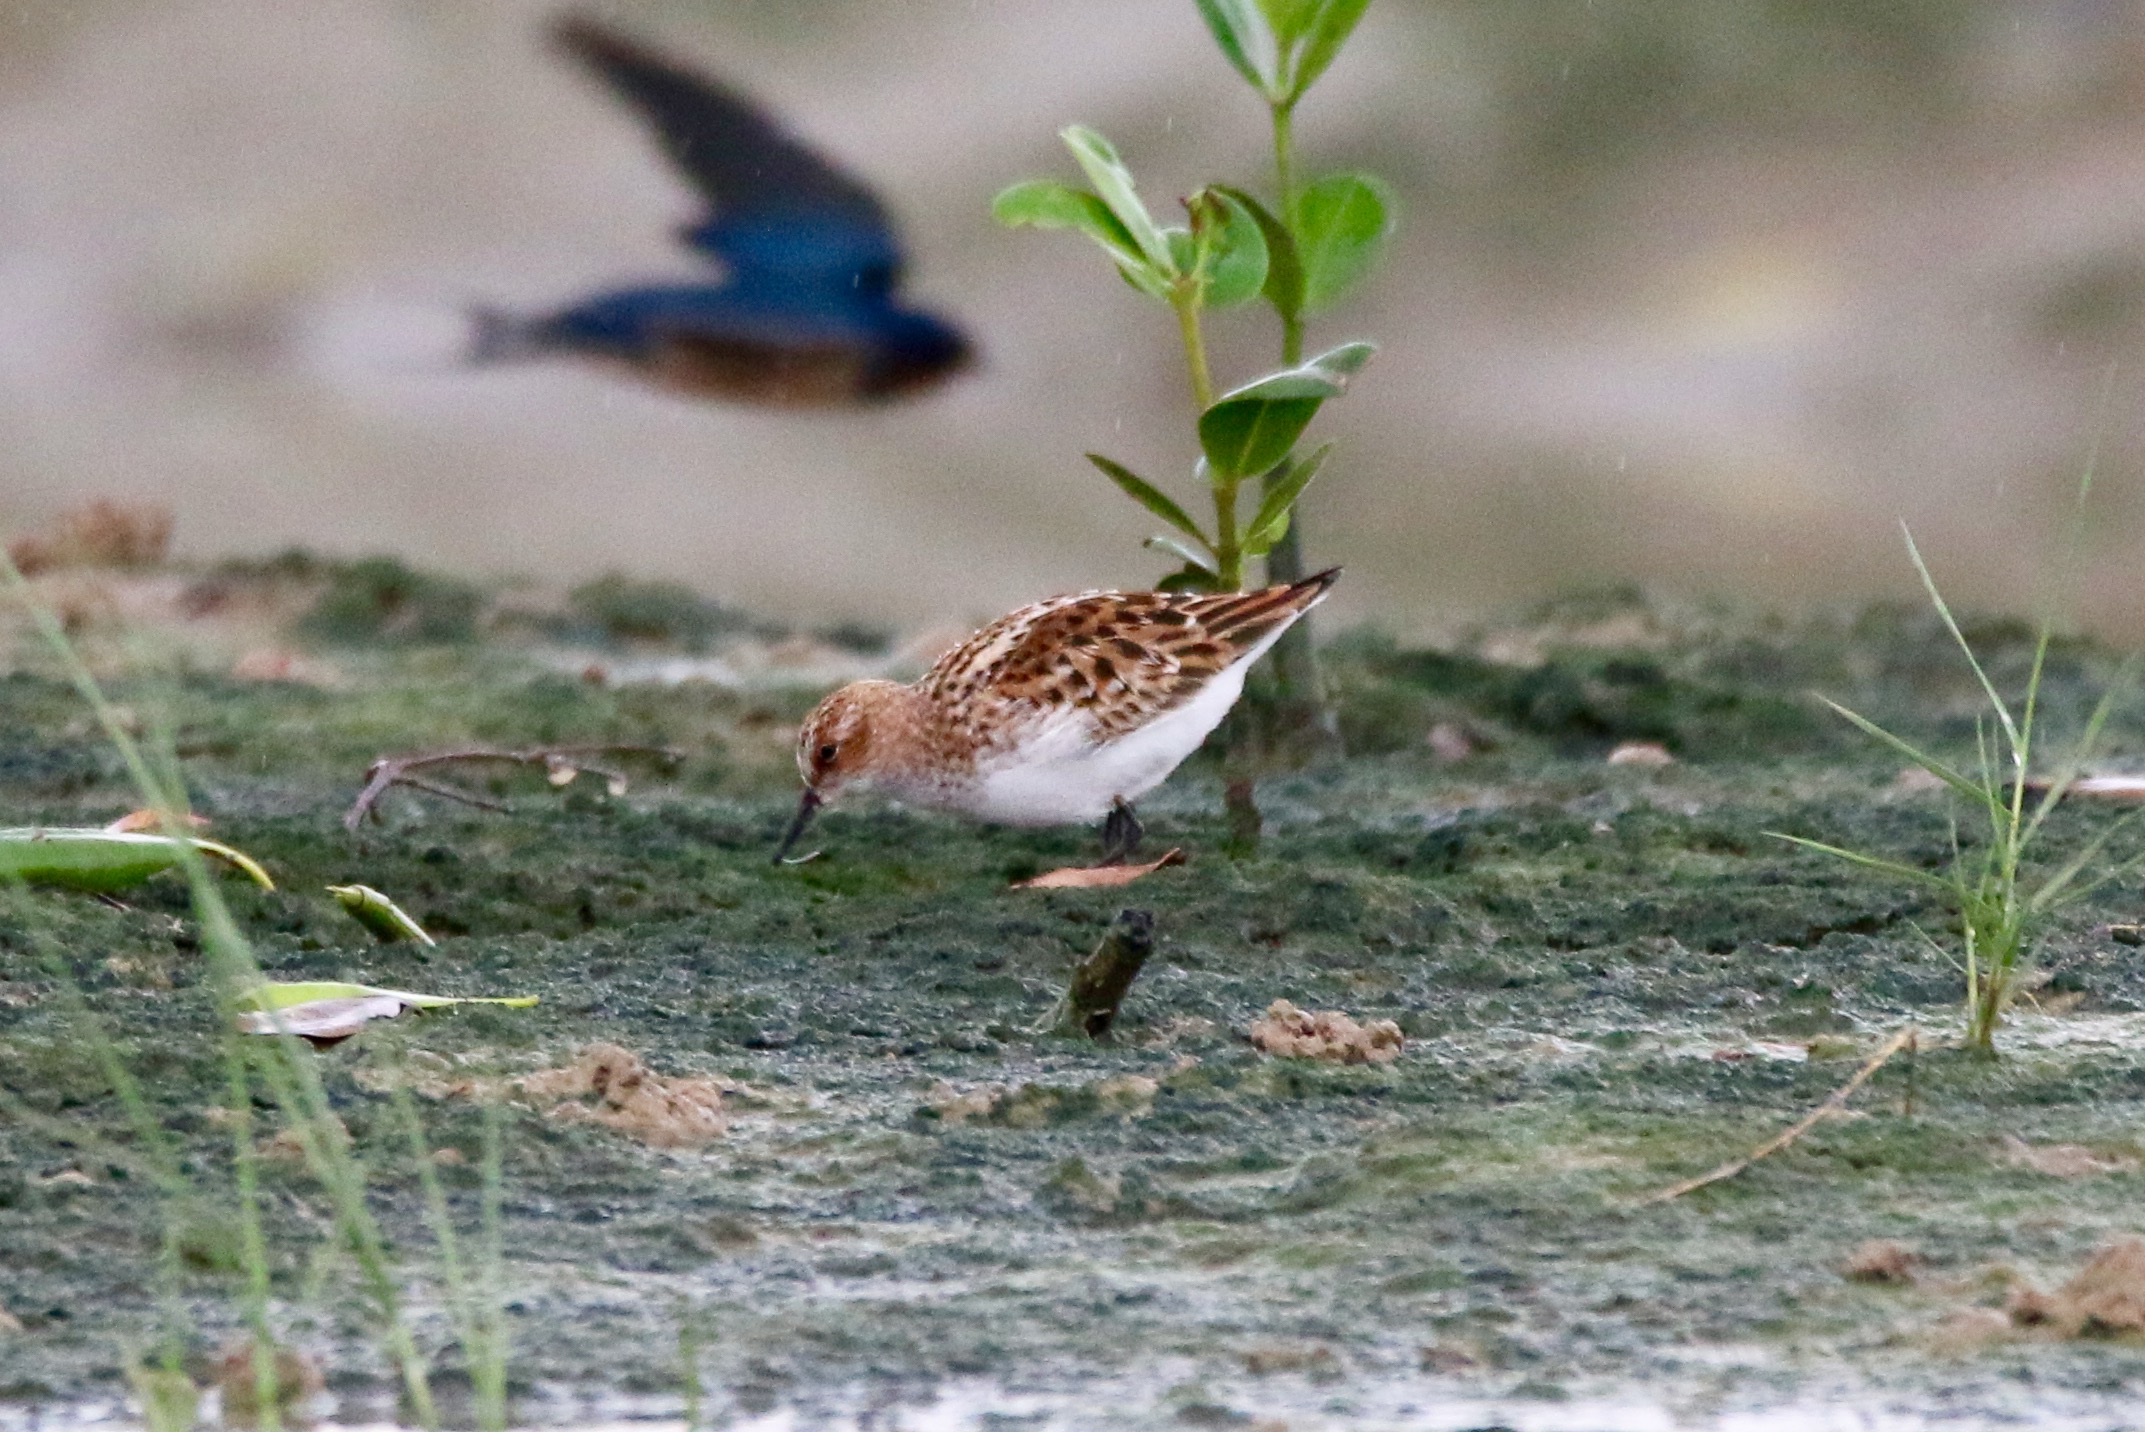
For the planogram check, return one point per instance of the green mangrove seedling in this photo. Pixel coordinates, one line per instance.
(1312, 244)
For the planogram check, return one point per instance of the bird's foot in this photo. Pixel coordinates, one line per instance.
(1121, 832)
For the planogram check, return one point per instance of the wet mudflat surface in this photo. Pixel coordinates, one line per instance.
(1609, 976)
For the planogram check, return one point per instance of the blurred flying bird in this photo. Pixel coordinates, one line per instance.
(807, 312)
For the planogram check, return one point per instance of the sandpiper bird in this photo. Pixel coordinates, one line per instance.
(1062, 712)
(807, 312)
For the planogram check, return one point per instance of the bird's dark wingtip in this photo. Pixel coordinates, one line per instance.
(588, 38)
(626, 62)
(1320, 582)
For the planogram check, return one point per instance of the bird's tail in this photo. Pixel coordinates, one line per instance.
(496, 336)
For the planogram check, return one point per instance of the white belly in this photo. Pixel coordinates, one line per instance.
(1065, 778)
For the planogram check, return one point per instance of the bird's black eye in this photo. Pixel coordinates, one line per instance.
(826, 752)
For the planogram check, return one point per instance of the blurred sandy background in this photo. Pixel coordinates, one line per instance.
(1704, 294)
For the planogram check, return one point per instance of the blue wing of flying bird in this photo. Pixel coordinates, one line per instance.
(806, 312)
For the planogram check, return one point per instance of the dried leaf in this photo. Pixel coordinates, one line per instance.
(2108, 788)
(148, 820)
(1293, 1033)
(325, 1011)
(1097, 877)
(323, 1021)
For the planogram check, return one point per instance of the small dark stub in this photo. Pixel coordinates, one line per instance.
(1100, 981)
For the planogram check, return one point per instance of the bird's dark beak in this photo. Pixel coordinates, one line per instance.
(806, 809)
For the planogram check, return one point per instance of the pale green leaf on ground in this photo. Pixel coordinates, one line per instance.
(325, 1011)
(286, 994)
(389, 922)
(102, 861)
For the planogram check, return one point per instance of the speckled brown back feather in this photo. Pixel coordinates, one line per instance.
(1121, 658)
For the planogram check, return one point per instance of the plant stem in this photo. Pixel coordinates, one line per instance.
(1228, 554)
(1295, 662)
(253, 1248)
(1285, 188)
(1185, 300)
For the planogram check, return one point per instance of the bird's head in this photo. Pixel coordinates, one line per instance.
(845, 740)
(836, 744)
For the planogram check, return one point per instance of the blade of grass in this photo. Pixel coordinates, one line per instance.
(1940, 769)
(1943, 610)
(1871, 862)
(253, 1248)
(461, 1300)
(292, 1076)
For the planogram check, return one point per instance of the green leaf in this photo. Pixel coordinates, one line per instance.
(1261, 539)
(1231, 249)
(1189, 578)
(1289, 18)
(1113, 182)
(1271, 523)
(1322, 40)
(1871, 862)
(1183, 248)
(1047, 204)
(1171, 545)
(1246, 40)
(102, 861)
(1284, 271)
(1251, 429)
(1147, 495)
(1342, 221)
(286, 994)
(1943, 771)
(1250, 435)
(390, 923)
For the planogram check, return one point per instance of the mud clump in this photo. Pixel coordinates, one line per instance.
(1880, 1260)
(98, 533)
(2062, 1160)
(2107, 1296)
(294, 1381)
(1035, 1106)
(609, 1085)
(1291, 1033)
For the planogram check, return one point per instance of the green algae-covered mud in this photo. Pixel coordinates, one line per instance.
(912, 1207)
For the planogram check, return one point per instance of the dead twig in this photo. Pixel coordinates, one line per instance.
(561, 764)
(1837, 1101)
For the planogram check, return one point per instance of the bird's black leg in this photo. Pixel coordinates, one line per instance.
(1121, 833)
